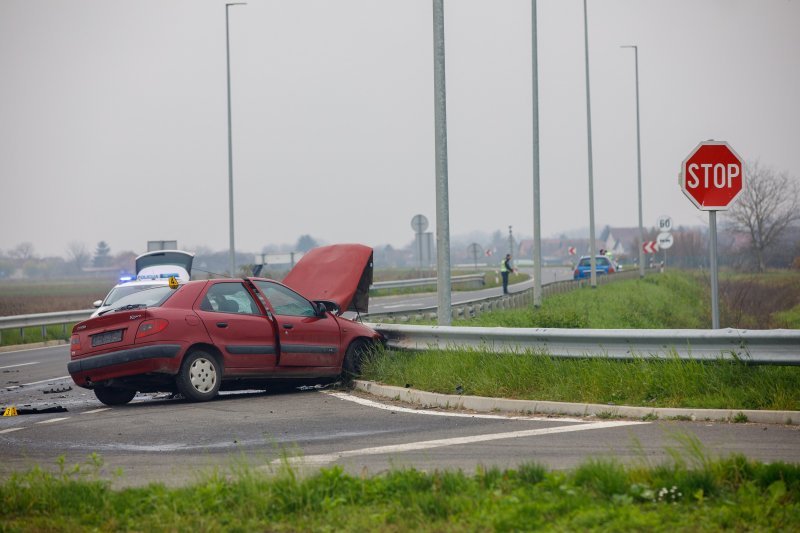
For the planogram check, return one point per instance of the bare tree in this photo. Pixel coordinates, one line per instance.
(23, 251)
(769, 204)
(78, 255)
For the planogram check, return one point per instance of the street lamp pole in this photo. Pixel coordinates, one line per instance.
(638, 160)
(230, 141)
(592, 245)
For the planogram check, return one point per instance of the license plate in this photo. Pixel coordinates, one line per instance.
(107, 337)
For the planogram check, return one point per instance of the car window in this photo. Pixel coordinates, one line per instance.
(585, 262)
(229, 298)
(602, 261)
(125, 290)
(285, 301)
(150, 296)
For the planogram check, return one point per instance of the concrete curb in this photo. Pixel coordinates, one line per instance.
(31, 345)
(532, 407)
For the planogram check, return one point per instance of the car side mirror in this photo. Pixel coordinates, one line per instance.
(325, 306)
(98, 303)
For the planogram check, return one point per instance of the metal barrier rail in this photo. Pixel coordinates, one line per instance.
(43, 320)
(761, 347)
(422, 282)
(515, 300)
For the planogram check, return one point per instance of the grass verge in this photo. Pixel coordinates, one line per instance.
(685, 494)
(643, 381)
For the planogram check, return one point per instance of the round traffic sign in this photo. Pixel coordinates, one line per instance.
(664, 240)
(712, 176)
(419, 223)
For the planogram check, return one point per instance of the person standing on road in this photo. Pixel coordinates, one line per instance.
(505, 268)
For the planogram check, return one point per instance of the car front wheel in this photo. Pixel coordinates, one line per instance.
(200, 377)
(114, 395)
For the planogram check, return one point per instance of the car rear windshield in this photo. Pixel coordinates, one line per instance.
(600, 261)
(149, 296)
(125, 290)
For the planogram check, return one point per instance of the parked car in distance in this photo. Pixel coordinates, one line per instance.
(152, 269)
(603, 265)
(207, 335)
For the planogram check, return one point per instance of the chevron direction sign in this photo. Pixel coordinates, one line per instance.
(650, 247)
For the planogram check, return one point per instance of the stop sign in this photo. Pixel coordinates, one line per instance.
(712, 176)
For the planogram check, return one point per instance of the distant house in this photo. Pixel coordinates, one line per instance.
(620, 241)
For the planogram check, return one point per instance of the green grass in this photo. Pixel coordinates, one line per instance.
(674, 300)
(641, 382)
(671, 300)
(690, 492)
(13, 337)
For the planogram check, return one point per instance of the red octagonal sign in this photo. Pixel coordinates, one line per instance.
(712, 176)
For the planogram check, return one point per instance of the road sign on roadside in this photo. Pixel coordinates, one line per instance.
(664, 240)
(571, 250)
(664, 223)
(712, 176)
(650, 247)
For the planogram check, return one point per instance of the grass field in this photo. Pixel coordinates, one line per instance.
(675, 300)
(691, 492)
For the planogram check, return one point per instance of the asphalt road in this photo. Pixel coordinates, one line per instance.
(157, 438)
(406, 302)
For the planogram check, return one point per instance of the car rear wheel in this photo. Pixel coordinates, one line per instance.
(200, 377)
(114, 395)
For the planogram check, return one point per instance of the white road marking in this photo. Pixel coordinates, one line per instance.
(50, 421)
(96, 411)
(377, 405)
(45, 381)
(9, 430)
(21, 364)
(322, 459)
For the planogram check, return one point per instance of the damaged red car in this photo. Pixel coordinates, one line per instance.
(204, 336)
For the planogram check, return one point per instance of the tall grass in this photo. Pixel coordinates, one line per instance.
(643, 381)
(694, 494)
(671, 300)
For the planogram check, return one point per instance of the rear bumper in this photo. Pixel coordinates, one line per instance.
(139, 360)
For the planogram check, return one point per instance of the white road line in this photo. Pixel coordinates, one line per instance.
(45, 381)
(9, 430)
(50, 421)
(455, 441)
(377, 405)
(96, 411)
(21, 364)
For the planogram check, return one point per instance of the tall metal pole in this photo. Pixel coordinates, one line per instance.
(592, 246)
(712, 230)
(232, 252)
(444, 311)
(639, 162)
(510, 241)
(537, 229)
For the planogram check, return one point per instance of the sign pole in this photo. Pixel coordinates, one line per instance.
(712, 229)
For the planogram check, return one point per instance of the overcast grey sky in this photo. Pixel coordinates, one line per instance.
(113, 115)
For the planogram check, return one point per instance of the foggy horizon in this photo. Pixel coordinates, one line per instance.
(115, 119)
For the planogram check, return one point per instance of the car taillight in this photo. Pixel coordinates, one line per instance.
(611, 270)
(75, 343)
(151, 327)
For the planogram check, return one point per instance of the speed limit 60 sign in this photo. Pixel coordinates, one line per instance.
(712, 176)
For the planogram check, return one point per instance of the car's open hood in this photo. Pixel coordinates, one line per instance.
(340, 273)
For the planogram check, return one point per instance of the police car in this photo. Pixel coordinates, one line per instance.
(153, 269)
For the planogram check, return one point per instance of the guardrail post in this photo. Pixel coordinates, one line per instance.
(44, 333)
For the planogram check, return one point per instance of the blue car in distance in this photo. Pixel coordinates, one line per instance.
(603, 264)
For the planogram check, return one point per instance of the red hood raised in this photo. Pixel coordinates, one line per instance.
(340, 273)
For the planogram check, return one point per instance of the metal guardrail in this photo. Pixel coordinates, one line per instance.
(515, 300)
(422, 282)
(761, 347)
(43, 320)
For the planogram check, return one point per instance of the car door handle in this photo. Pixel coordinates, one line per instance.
(222, 324)
(288, 326)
